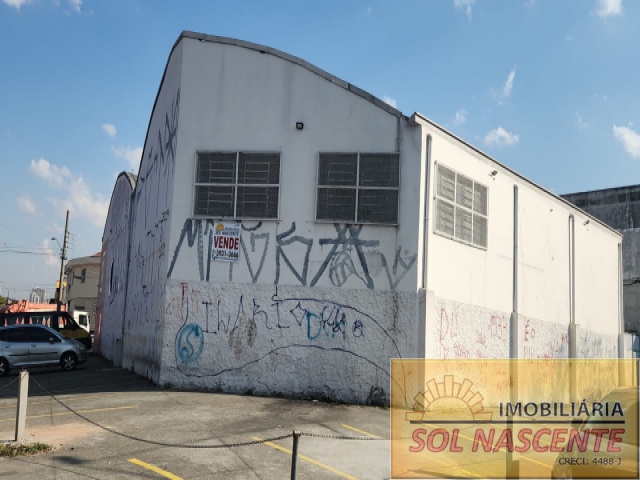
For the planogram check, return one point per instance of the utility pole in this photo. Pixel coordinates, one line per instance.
(63, 257)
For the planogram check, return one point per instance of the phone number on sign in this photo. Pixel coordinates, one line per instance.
(226, 254)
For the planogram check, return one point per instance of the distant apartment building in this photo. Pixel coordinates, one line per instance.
(82, 285)
(37, 295)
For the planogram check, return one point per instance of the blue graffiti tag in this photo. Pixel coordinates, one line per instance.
(190, 343)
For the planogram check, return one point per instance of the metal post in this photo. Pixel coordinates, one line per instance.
(63, 258)
(294, 456)
(21, 414)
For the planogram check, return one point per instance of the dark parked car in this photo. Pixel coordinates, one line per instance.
(604, 464)
(38, 346)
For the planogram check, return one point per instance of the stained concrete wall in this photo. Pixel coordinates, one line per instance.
(286, 340)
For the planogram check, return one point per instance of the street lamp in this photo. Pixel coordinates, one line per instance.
(5, 286)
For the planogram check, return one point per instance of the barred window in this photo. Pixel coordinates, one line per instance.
(461, 207)
(237, 185)
(358, 187)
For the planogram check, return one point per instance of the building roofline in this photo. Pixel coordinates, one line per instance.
(412, 120)
(603, 190)
(295, 60)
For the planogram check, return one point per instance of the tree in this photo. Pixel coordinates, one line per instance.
(3, 300)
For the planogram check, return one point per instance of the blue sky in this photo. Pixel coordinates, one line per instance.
(548, 87)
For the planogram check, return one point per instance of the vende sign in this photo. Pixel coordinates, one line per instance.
(226, 242)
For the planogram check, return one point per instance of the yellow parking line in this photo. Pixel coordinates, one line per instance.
(71, 399)
(360, 431)
(310, 460)
(522, 456)
(95, 410)
(153, 468)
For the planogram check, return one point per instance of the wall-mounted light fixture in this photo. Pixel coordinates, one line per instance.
(586, 223)
(493, 174)
(299, 125)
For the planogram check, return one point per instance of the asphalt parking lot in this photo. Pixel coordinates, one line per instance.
(125, 402)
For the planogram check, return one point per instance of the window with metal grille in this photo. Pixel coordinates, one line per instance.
(358, 187)
(237, 185)
(461, 207)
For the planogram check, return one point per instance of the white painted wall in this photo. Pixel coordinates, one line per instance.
(234, 98)
(472, 288)
(151, 221)
(113, 270)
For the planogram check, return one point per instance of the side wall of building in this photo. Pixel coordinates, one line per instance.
(472, 289)
(310, 308)
(151, 220)
(110, 308)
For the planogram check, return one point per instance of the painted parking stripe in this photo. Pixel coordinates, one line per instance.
(155, 469)
(310, 460)
(95, 410)
(71, 399)
(360, 431)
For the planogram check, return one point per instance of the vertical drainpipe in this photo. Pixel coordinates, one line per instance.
(513, 458)
(573, 327)
(621, 349)
(513, 346)
(425, 219)
(574, 331)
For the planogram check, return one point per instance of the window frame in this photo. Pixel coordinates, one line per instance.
(357, 188)
(236, 184)
(436, 197)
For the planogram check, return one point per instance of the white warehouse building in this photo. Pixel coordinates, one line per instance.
(362, 235)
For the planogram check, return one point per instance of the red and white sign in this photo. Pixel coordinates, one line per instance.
(226, 242)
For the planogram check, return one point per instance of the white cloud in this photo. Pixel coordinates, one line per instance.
(75, 4)
(569, 37)
(500, 137)
(17, 3)
(132, 155)
(81, 201)
(26, 204)
(390, 101)
(50, 259)
(508, 86)
(461, 117)
(464, 5)
(110, 129)
(608, 8)
(54, 176)
(580, 122)
(629, 138)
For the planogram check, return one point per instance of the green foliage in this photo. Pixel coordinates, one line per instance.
(19, 449)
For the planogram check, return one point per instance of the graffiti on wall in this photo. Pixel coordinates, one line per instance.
(224, 334)
(143, 333)
(346, 258)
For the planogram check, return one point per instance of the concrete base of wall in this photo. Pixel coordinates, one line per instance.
(332, 344)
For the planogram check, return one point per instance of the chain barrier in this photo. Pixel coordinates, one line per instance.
(10, 383)
(347, 437)
(153, 442)
(225, 445)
